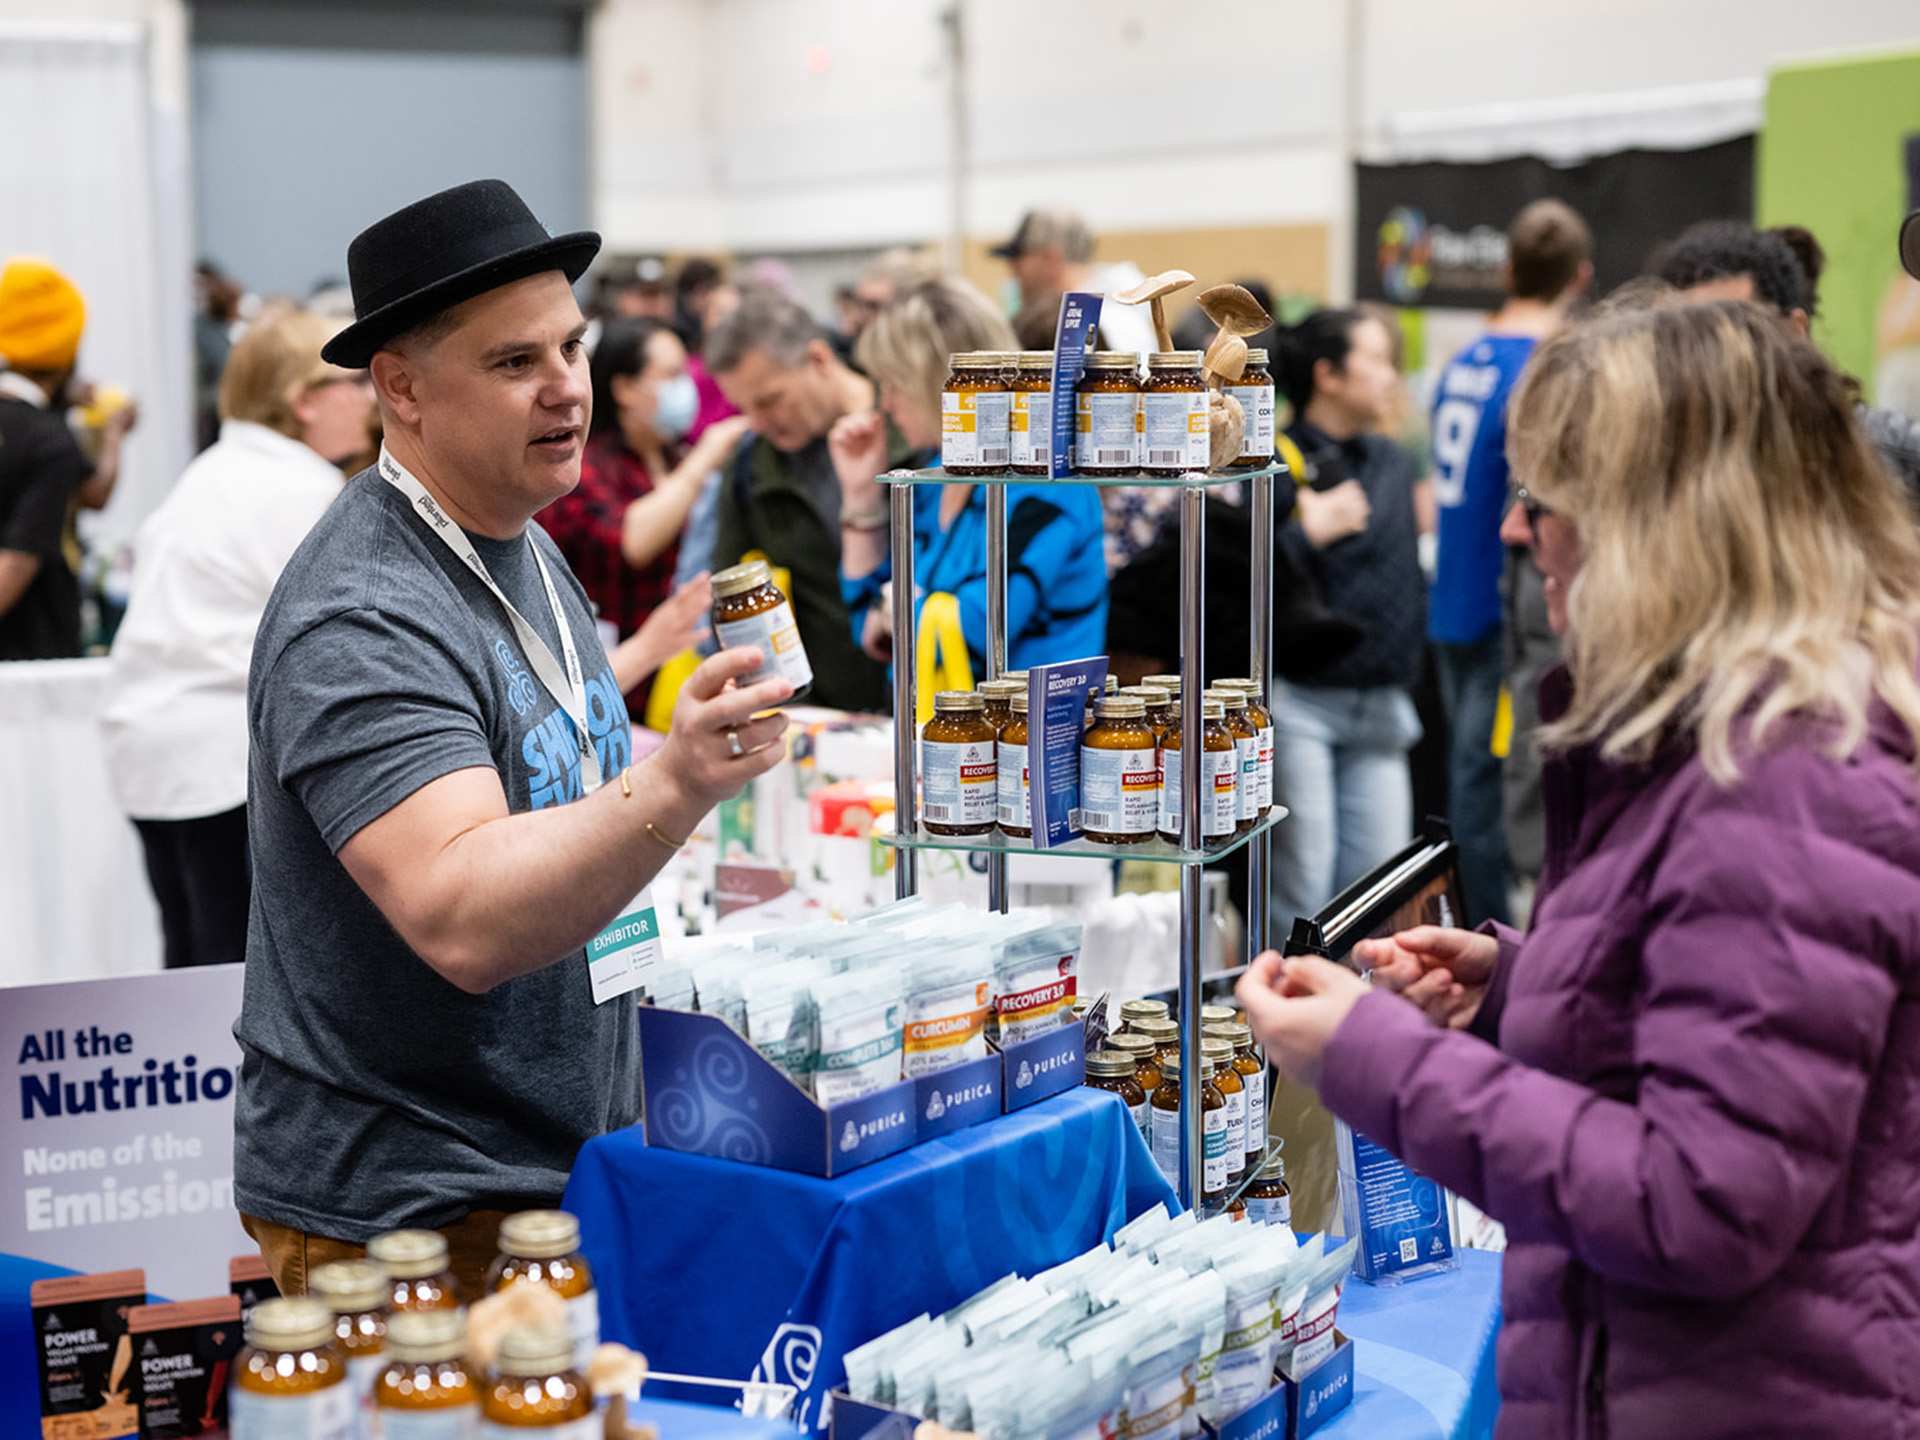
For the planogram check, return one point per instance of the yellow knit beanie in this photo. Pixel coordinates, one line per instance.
(41, 316)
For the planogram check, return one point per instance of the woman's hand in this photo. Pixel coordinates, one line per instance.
(1294, 1006)
(858, 445)
(876, 634)
(676, 624)
(1443, 971)
(716, 444)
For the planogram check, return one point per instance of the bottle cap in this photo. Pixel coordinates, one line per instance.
(351, 1287)
(1134, 1046)
(1216, 1015)
(1113, 360)
(1217, 1052)
(426, 1335)
(1162, 1032)
(1174, 359)
(409, 1254)
(1229, 699)
(1120, 707)
(1111, 1064)
(741, 578)
(959, 702)
(1168, 683)
(525, 1350)
(1274, 1167)
(1151, 696)
(1017, 701)
(1132, 1010)
(1036, 359)
(1214, 709)
(1240, 1035)
(539, 1235)
(999, 689)
(1256, 356)
(295, 1323)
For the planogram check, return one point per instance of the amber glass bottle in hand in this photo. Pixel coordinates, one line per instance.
(749, 611)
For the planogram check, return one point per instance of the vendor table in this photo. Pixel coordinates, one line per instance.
(744, 1272)
(677, 1420)
(1423, 1355)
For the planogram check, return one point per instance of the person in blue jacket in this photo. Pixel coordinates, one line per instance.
(1056, 570)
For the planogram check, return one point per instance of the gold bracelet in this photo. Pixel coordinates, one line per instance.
(626, 785)
(665, 839)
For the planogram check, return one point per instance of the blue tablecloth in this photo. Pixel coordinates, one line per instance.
(1423, 1355)
(680, 1421)
(743, 1272)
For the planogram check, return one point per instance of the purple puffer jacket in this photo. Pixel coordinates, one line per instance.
(1702, 1124)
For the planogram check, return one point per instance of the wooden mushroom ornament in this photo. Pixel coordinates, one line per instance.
(1155, 289)
(1238, 314)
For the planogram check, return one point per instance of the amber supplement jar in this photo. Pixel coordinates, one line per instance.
(1032, 419)
(1262, 721)
(1253, 1078)
(1165, 1108)
(1114, 1072)
(1168, 683)
(356, 1291)
(418, 1268)
(998, 695)
(1217, 1015)
(1226, 1079)
(542, 1247)
(291, 1376)
(1254, 391)
(1140, 1050)
(1119, 775)
(1269, 1199)
(426, 1392)
(1215, 1178)
(536, 1387)
(976, 407)
(1159, 706)
(750, 611)
(958, 769)
(1132, 1011)
(1219, 772)
(1173, 415)
(1165, 1035)
(1246, 750)
(1106, 416)
(1012, 790)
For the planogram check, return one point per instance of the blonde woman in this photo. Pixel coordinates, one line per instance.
(1688, 1091)
(204, 564)
(1056, 576)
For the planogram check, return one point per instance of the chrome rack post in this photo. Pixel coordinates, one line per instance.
(1193, 530)
(906, 811)
(997, 651)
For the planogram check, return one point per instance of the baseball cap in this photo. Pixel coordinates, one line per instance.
(1042, 230)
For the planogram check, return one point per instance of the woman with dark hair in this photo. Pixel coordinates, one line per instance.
(620, 527)
(1342, 730)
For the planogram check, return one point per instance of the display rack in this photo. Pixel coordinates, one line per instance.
(1192, 853)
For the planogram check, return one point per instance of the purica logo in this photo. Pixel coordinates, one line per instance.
(53, 1321)
(1439, 1246)
(151, 1347)
(937, 1106)
(1024, 1078)
(850, 1138)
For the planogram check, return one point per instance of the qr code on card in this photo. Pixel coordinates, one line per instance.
(1409, 1250)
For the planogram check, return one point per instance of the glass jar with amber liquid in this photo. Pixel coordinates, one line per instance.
(1261, 719)
(291, 1376)
(749, 611)
(1165, 1035)
(998, 697)
(418, 1268)
(1253, 1079)
(356, 1291)
(1132, 1011)
(1119, 774)
(1106, 415)
(1168, 683)
(1165, 1108)
(1219, 772)
(1140, 1050)
(1115, 1072)
(426, 1391)
(958, 768)
(1012, 791)
(976, 408)
(542, 1247)
(1246, 751)
(1031, 423)
(535, 1387)
(1159, 707)
(1269, 1198)
(1226, 1079)
(1254, 391)
(1173, 415)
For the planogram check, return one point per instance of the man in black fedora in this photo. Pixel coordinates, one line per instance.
(442, 813)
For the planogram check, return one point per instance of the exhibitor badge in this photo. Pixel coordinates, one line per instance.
(622, 956)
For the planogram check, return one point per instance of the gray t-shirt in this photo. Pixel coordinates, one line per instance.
(373, 1093)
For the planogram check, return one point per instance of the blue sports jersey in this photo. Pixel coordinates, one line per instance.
(1470, 485)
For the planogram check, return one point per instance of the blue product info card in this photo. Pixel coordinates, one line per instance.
(1077, 331)
(1400, 1216)
(1057, 695)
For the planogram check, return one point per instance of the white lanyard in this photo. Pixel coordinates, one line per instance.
(569, 688)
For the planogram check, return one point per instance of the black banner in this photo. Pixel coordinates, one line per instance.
(1435, 233)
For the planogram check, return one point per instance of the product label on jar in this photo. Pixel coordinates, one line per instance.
(363, 1373)
(1256, 1110)
(583, 1324)
(1263, 772)
(1249, 787)
(1170, 794)
(590, 1427)
(1236, 1151)
(1119, 791)
(1213, 1153)
(428, 1424)
(1175, 423)
(1011, 790)
(776, 637)
(958, 782)
(1031, 427)
(320, 1415)
(1107, 431)
(1143, 1117)
(1270, 1211)
(974, 428)
(1165, 1139)
(1220, 792)
(1256, 403)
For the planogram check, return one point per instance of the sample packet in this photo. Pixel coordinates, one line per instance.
(858, 1015)
(947, 997)
(1035, 984)
(87, 1384)
(249, 1279)
(182, 1353)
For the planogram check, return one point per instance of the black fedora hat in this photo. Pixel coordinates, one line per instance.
(1910, 244)
(439, 251)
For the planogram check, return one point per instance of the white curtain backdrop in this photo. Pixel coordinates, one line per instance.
(94, 178)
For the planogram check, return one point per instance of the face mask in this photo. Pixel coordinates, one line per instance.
(676, 404)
